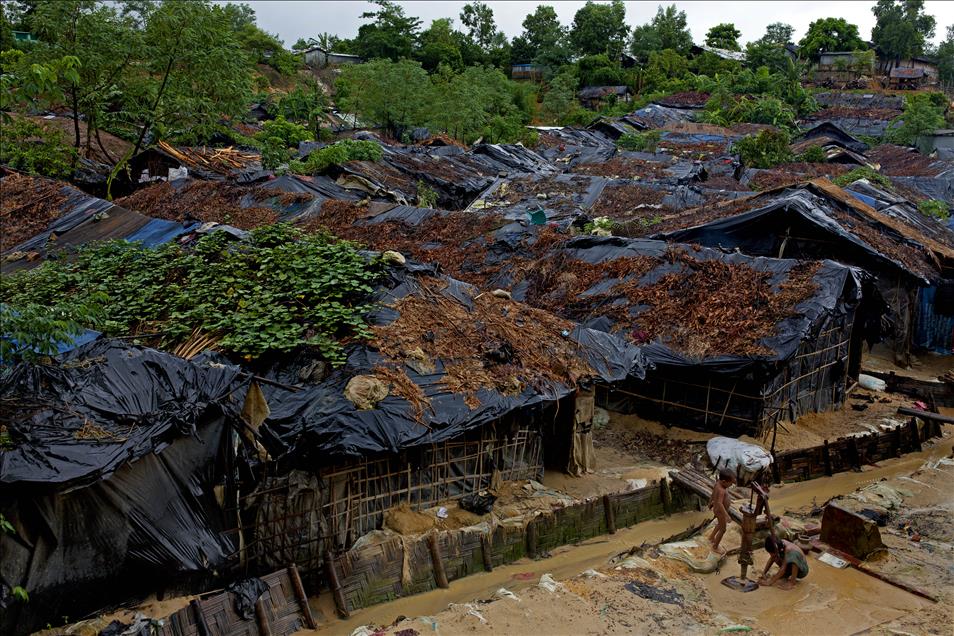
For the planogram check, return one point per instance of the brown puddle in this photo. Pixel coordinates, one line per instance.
(829, 601)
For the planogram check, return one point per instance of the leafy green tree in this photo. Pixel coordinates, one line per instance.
(194, 72)
(667, 64)
(600, 70)
(645, 40)
(902, 28)
(945, 58)
(306, 103)
(599, 28)
(440, 46)
(921, 115)
(560, 98)
(391, 34)
(478, 17)
(396, 95)
(767, 54)
(105, 44)
(667, 30)
(830, 34)
(544, 39)
(778, 33)
(724, 36)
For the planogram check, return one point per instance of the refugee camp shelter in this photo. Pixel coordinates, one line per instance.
(595, 97)
(114, 477)
(902, 250)
(737, 344)
(457, 389)
(901, 78)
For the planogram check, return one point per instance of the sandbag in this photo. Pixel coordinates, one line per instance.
(743, 459)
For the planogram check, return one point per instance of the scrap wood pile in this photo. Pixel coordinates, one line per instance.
(211, 201)
(222, 161)
(700, 308)
(483, 342)
(27, 205)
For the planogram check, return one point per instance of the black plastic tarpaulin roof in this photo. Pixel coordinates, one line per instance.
(114, 458)
(319, 423)
(102, 406)
(806, 218)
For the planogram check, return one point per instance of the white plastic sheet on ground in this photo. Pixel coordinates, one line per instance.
(696, 553)
(741, 458)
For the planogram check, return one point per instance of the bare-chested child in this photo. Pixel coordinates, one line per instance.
(720, 507)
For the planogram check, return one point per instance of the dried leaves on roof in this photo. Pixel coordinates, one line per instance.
(621, 166)
(622, 202)
(793, 173)
(27, 205)
(701, 308)
(497, 344)
(898, 161)
(210, 201)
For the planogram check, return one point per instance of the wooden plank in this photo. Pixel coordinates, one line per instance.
(941, 393)
(926, 415)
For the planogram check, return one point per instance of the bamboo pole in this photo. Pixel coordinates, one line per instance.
(609, 514)
(439, 574)
(335, 584)
(300, 596)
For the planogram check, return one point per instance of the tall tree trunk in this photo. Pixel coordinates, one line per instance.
(155, 105)
(76, 128)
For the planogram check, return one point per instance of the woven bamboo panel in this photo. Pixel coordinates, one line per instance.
(373, 573)
(282, 611)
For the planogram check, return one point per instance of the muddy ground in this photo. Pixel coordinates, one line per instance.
(651, 594)
(663, 596)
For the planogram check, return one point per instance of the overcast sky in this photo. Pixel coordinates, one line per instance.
(301, 19)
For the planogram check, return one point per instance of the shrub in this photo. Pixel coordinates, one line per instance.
(426, 195)
(813, 154)
(764, 150)
(274, 153)
(862, 172)
(282, 289)
(27, 146)
(288, 133)
(337, 154)
(642, 142)
(920, 116)
(934, 209)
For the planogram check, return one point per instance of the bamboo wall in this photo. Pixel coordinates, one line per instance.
(376, 573)
(850, 453)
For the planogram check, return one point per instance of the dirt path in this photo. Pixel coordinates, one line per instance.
(830, 601)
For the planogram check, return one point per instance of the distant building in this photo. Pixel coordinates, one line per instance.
(317, 57)
(842, 66)
(593, 97)
(725, 54)
(533, 72)
(24, 36)
(902, 78)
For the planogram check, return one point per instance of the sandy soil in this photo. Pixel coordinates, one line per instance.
(828, 601)
(926, 366)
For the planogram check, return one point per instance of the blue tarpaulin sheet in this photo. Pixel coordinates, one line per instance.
(159, 231)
